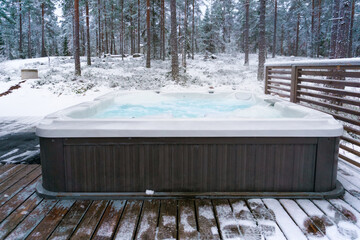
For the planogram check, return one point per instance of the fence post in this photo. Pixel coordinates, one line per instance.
(294, 83)
(266, 80)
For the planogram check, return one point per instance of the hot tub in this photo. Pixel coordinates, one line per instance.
(191, 144)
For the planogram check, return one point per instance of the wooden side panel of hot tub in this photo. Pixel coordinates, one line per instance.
(189, 164)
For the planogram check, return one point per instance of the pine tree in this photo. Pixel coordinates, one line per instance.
(274, 37)
(20, 31)
(173, 40)
(122, 30)
(29, 35)
(334, 27)
(148, 34)
(207, 32)
(342, 43)
(100, 48)
(65, 47)
(246, 33)
(138, 27)
(162, 30)
(260, 75)
(43, 50)
(184, 50)
(76, 40)
(297, 35)
(351, 28)
(88, 52)
(193, 30)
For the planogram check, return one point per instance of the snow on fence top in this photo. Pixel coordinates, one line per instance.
(341, 62)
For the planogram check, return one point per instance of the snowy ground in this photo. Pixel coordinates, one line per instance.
(57, 87)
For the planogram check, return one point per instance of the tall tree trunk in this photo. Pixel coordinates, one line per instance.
(122, 30)
(162, 30)
(29, 36)
(318, 37)
(274, 38)
(282, 41)
(297, 34)
(88, 52)
(131, 30)
(43, 51)
(351, 28)
(193, 31)
(106, 29)
(185, 37)
(260, 75)
(76, 37)
(82, 39)
(342, 43)
(112, 40)
(334, 27)
(99, 28)
(312, 27)
(148, 31)
(20, 31)
(153, 26)
(138, 27)
(97, 41)
(173, 41)
(246, 33)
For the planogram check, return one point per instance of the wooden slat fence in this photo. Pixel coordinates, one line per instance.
(331, 86)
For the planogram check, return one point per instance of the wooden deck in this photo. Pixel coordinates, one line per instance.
(25, 215)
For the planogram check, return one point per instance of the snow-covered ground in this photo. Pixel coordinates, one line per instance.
(57, 87)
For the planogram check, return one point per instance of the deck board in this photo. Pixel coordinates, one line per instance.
(21, 184)
(32, 220)
(319, 221)
(346, 227)
(16, 201)
(10, 170)
(11, 221)
(284, 220)
(302, 220)
(11, 180)
(128, 223)
(248, 226)
(52, 219)
(265, 219)
(107, 226)
(6, 167)
(91, 219)
(206, 220)
(167, 228)
(71, 220)
(149, 220)
(23, 214)
(229, 227)
(187, 220)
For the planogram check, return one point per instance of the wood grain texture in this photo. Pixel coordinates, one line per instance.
(190, 165)
(148, 220)
(72, 219)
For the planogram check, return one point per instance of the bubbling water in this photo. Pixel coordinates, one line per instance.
(189, 108)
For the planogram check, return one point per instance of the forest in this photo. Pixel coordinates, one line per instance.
(167, 29)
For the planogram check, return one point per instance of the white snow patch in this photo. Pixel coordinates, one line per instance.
(167, 220)
(9, 153)
(149, 192)
(23, 156)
